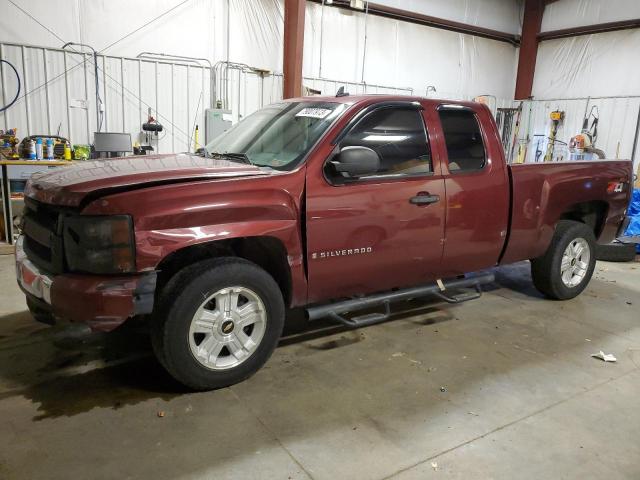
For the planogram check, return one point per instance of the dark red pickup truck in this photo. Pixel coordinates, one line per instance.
(337, 204)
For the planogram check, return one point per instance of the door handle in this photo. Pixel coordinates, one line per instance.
(424, 199)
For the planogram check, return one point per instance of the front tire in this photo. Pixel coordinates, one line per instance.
(565, 269)
(217, 322)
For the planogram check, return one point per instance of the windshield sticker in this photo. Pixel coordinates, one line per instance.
(314, 112)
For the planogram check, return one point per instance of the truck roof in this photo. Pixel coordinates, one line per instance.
(374, 98)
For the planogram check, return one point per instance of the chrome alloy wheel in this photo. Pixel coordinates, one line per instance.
(575, 262)
(227, 328)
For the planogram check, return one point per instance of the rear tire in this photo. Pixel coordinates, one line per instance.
(217, 322)
(565, 269)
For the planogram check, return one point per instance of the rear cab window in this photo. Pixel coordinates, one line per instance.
(463, 138)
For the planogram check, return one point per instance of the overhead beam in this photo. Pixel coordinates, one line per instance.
(590, 29)
(293, 47)
(429, 21)
(533, 10)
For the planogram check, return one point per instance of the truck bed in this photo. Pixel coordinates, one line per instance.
(543, 193)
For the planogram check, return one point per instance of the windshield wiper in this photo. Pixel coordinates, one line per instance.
(238, 157)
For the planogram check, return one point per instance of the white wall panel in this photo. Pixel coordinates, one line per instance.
(58, 111)
(61, 16)
(198, 90)
(603, 64)
(405, 55)
(180, 103)
(33, 61)
(147, 92)
(79, 102)
(272, 89)
(134, 115)
(17, 114)
(188, 30)
(576, 13)
(198, 28)
(501, 15)
(112, 94)
(330, 87)
(164, 104)
(256, 35)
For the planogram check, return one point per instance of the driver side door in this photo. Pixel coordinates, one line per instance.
(375, 232)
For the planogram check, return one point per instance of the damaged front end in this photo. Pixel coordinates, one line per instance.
(102, 302)
(81, 268)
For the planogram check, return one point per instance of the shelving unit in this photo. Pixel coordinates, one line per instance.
(5, 247)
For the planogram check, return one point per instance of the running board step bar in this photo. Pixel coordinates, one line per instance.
(471, 283)
(461, 297)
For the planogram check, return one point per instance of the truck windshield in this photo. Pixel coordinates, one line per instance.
(278, 136)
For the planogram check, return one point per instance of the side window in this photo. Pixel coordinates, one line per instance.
(462, 136)
(398, 136)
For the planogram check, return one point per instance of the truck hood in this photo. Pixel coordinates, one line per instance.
(69, 185)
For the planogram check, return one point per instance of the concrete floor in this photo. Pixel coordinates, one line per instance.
(503, 387)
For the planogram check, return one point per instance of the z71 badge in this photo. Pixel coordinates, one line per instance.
(341, 253)
(616, 187)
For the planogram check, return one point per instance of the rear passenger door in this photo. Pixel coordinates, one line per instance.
(477, 189)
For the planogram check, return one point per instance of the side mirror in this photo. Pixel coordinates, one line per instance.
(354, 162)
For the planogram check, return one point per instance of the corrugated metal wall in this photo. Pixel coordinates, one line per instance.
(58, 94)
(618, 119)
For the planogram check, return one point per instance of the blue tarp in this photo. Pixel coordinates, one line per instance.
(634, 212)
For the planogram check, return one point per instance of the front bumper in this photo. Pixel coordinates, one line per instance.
(102, 302)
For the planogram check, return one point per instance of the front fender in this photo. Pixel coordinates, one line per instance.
(173, 217)
(154, 245)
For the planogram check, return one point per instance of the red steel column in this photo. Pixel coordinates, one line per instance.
(293, 46)
(533, 10)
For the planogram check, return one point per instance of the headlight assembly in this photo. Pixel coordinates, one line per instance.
(99, 244)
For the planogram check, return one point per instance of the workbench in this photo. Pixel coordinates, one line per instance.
(6, 191)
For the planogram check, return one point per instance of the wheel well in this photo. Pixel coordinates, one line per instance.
(592, 214)
(267, 252)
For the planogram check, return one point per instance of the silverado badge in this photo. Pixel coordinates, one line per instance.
(341, 253)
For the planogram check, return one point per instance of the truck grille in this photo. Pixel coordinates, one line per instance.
(42, 229)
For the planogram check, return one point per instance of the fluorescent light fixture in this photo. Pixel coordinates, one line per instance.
(449, 106)
(385, 138)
